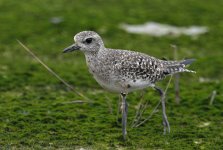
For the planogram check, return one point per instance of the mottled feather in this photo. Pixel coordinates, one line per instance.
(123, 71)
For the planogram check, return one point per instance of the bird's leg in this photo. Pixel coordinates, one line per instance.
(165, 120)
(124, 109)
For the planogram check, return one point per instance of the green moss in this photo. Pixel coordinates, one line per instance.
(34, 105)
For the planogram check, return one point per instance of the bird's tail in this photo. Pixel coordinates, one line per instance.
(172, 67)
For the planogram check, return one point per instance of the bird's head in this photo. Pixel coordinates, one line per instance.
(86, 41)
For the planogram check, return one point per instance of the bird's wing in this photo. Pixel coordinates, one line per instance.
(137, 66)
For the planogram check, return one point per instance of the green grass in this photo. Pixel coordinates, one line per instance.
(34, 113)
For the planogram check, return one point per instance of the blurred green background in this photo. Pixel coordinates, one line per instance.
(34, 105)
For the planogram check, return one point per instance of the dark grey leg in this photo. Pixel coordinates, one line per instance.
(165, 120)
(124, 108)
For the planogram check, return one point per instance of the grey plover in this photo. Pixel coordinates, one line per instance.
(123, 71)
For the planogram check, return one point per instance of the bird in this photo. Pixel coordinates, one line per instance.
(123, 71)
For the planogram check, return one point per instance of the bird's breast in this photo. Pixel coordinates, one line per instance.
(115, 78)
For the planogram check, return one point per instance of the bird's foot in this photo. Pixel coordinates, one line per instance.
(166, 125)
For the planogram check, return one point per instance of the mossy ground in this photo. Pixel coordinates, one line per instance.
(34, 113)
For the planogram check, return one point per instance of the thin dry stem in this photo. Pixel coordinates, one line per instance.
(213, 94)
(52, 72)
(140, 110)
(156, 107)
(109, 102)
(74, 102)
(176, 77)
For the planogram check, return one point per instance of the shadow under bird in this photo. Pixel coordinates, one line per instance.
(123, 71)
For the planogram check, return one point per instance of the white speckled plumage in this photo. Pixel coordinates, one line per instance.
(123, 71)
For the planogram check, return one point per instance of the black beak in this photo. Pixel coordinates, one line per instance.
(71, 48)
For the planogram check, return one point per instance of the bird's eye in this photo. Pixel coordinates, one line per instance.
(88, 40)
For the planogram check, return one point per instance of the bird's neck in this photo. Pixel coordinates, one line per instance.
(91, 58)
